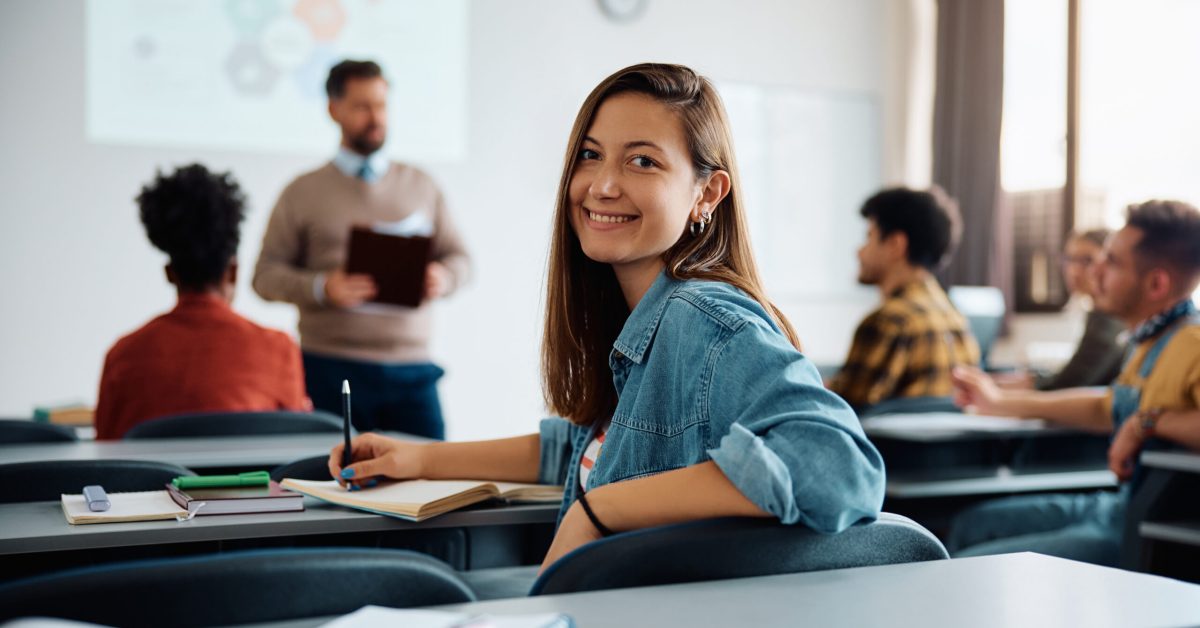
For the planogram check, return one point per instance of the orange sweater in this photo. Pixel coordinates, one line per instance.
(199, 357)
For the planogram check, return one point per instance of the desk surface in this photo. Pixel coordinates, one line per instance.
(993, 481)
(36, 527)
(934, 427)
(1022, 590)
(1173, 460)
(193, 453)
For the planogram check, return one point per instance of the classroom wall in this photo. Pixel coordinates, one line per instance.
(76, 271)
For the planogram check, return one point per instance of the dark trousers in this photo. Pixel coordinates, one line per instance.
(393, 397)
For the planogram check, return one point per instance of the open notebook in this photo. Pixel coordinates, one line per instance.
(417, 500)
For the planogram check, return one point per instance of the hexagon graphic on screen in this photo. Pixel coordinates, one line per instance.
(325, 18)
(250, 16)
(249, 70)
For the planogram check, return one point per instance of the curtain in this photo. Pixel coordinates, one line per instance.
(968, 105)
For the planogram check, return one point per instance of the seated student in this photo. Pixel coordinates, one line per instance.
(1146, 278)
(200, 356)
(683, 393)
(1098, 357)
(908, 346)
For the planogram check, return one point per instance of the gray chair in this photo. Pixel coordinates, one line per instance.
(984, 309)
(910, 405)
(717, 549)
(312, 468)
(236, 588)
(237, 424)
(47, 480)
(17, 431)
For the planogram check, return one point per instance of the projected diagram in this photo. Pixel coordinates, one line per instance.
(271, 46)
(249, 74)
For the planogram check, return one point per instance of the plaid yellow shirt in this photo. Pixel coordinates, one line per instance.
(906, 348)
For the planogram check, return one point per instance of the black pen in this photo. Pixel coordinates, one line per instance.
(347, 457)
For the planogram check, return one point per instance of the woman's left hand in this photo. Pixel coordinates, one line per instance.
(575, 531)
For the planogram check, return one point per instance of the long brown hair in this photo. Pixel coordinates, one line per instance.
(585, 309)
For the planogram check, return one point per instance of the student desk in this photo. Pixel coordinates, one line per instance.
(938, 463)
(198, 454)
(1012, 590)
(1162, 532)
(35, 536)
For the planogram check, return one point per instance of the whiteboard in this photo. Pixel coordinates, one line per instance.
(807, 160)
(250, 74)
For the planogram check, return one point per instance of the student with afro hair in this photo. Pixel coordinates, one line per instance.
(201, 356)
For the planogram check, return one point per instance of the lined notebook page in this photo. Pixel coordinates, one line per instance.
(413, 492)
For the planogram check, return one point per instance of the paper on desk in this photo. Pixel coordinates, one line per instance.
(383, 617)
(134, 506)
(948, 422)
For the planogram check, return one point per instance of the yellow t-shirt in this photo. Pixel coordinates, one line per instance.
(1174, 383)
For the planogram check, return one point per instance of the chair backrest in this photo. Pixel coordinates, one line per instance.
(984, 309)
(236, 424)
(15, 431)
(733, 548)
(910, 405)
(237, 587)
(314, 468)
(48, 479)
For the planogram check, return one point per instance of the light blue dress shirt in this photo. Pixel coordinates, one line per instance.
(352, 164)
(703, 373)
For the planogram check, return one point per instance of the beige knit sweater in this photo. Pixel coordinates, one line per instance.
(307, 235)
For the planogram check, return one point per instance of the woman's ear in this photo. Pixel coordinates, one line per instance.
(714, 190)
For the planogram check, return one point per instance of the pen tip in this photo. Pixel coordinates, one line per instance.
(345, 386)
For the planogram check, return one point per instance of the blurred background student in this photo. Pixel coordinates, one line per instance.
(1101, 350)
(201, 356)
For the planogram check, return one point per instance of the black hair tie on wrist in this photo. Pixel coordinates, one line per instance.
(587, 509)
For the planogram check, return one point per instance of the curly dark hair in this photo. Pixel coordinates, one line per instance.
(1170, 235)
(929, 218)
(195, 217)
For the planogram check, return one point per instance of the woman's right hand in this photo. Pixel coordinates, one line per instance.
(376, 456)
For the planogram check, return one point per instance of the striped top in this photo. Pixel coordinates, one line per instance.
(590, 455)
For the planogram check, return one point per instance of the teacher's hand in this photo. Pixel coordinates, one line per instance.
(345, 291)
(438, 281)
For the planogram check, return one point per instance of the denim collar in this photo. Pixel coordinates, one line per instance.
(643, 321)
(1154, 325)
(351, 163)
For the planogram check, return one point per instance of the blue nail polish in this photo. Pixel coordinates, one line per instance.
(372, 482)
(347, 473)
(353, 487)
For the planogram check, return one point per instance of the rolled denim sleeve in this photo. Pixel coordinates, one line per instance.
(557, 437)
(790, 446)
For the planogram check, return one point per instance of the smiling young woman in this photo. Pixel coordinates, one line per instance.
(681, 390)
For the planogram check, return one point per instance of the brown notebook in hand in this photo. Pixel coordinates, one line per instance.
(396, 263)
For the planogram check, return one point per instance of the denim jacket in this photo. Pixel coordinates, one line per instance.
(702, 373)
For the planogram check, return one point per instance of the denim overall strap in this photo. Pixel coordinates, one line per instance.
(1127, 399)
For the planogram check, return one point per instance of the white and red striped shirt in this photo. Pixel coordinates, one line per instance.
(590, 455)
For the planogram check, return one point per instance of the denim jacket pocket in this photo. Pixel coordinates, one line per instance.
(634, 448)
